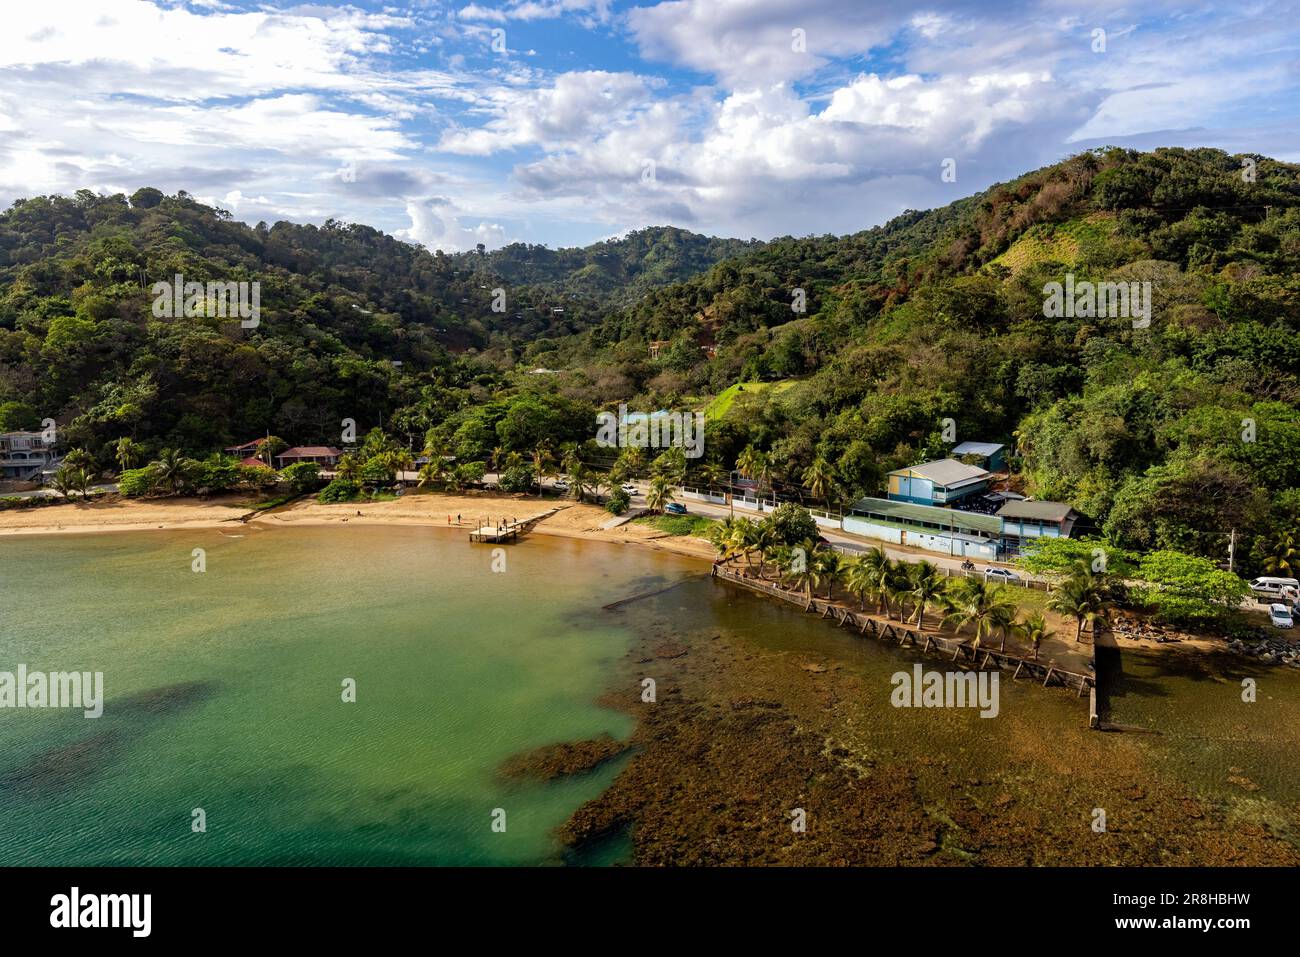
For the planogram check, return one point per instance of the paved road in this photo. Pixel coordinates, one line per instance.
(850, 543)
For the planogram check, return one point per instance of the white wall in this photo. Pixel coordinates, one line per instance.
(860, 526)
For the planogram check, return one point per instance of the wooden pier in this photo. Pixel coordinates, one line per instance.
(509, 531)
(903, 633)
(496, 533)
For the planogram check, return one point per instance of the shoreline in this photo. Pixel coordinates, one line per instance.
(570, 520)
(425, 510)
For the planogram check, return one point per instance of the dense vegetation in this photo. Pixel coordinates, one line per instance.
(1166, 438)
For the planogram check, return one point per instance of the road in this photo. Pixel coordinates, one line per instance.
(850, 543)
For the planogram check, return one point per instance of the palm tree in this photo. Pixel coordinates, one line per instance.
(819, 479)
(747, 462)
(859, 579)
(1279, 556)
(543, 465)
(348, 467)
(803, 569)
(580, 480)
(128, 453)
(878, 568)
(173, 469)
(1035, 630)
(927, 586)
(973, 601)
(72, 478)
(1005, 620)
(898, 587)
(672, 464)
(711, 474)
(660, 494)
(1083, 596)
(829, 565)
(570, 458)
(762, 538)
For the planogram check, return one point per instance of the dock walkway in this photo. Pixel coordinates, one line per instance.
(904, 633)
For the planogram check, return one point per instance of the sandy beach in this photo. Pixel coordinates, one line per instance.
(572, 520)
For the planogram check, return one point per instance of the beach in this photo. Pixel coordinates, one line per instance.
(433, 509)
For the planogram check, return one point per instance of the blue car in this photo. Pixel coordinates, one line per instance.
(673, 508)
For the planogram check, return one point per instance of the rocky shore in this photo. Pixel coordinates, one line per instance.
(744, 739)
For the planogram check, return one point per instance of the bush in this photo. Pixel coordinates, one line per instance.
(518, 478)
(302, 476)
(218, 473)
(258, 476)
(136, 482)
(618, 502)
(793, 524)
(339, 490)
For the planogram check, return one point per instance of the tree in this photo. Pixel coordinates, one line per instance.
(128, 453)
(173, 470)
(928, 585)
(859, 578)
(71, 479)
(1277, 554)
(302, 476)
(1084, 596)
(660, 495)
(792, 524)
(1035, 630)
(819, 478)
(1187, 589)
(974, 602)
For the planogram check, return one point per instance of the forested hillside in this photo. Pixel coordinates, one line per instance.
(353, 322)
(1167, 434)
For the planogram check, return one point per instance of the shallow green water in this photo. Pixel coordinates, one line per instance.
(224, 692)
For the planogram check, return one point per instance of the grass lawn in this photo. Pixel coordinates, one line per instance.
(724, 400)
(696, 525)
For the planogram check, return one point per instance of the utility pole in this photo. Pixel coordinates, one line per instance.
(1232, 548)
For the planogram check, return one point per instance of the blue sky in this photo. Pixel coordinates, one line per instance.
(580, 119)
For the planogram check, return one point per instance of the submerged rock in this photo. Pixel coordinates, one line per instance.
(559, 760)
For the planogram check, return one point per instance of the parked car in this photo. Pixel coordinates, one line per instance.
(1000, 575)
(1273, 587)
(1280, 616)
(631, 489)
(561, 486)
(675, 508)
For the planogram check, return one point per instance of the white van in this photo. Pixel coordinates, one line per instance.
(1275, 587)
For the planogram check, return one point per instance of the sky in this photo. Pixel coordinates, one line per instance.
(569, 121)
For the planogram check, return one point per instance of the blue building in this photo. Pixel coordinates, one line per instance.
(992, 455)
(941, 482)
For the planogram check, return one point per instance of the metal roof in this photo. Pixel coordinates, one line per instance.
(906, 513)
(945, 472)
(1039, 511)
(978, 448)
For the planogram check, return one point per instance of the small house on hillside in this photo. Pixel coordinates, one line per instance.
(320, 454)
(1029, 520)
(940, 482)
(991, 455)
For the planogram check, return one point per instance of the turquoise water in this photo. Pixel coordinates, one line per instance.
(224, 692)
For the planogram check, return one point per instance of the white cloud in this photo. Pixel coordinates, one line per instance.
(574, 105)
(436, 224)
